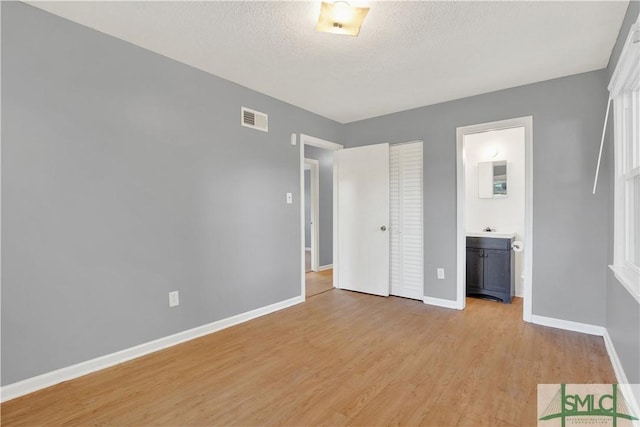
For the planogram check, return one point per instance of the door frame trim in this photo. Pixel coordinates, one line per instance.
(314, 209)
(320, 143)
(527, 123)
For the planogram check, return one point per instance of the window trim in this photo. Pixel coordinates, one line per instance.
(624, 79)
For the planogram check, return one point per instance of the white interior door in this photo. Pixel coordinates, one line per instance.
(362, 178)
(406, 221)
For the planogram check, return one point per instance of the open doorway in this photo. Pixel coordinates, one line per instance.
(317, 212)
(494, 223)
(311, 213)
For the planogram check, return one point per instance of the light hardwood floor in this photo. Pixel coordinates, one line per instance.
(317, 283)
(341, 358)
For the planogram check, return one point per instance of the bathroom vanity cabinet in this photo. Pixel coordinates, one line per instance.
(490, 268)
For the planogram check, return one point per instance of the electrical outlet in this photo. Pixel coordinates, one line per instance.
(440, 273)
(174, 298)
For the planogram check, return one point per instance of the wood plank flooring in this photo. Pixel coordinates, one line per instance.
(307, 261)
(341, 358)
(317, 283)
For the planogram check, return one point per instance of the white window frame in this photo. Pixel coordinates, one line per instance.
(623, 90)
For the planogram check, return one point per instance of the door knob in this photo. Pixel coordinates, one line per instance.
(383, 228)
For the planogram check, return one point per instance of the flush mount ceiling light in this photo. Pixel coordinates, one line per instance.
(341, 18)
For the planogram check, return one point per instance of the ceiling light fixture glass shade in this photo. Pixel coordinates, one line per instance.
(341, 18)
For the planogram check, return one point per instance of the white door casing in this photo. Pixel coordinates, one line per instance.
(328, 145)
(315, 209)
(362, 219)
(527, 123)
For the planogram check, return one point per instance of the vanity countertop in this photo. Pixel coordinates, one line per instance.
(491, 234)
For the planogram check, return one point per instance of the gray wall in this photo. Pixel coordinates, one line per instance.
(569, 224)
(623, 312)
(325, 208)
(623, 325)
(307, 208)
(126, 175)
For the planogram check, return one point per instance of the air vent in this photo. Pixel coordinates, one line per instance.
(254, 119)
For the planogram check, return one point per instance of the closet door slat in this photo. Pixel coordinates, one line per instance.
(406, 227)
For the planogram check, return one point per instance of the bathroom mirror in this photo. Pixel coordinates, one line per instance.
(492, 179)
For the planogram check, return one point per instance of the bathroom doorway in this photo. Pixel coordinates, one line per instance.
(494, 196)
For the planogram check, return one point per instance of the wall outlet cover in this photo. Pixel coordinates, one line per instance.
(440, 272)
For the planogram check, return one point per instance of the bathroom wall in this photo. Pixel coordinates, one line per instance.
(505, 214)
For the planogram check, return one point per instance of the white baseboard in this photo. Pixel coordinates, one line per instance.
(615, 361)
(568, 325)
(440, 302)
(631, 392)
(325, 267)
(11, 391)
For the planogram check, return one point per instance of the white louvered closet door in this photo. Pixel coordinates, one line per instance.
(406, 220)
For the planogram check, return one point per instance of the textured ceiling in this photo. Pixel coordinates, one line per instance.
(408, 54)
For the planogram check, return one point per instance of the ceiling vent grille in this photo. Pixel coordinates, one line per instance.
(254, 119)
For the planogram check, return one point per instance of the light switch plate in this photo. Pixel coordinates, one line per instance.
(289, 198)
(440, 273)
(174, 298)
